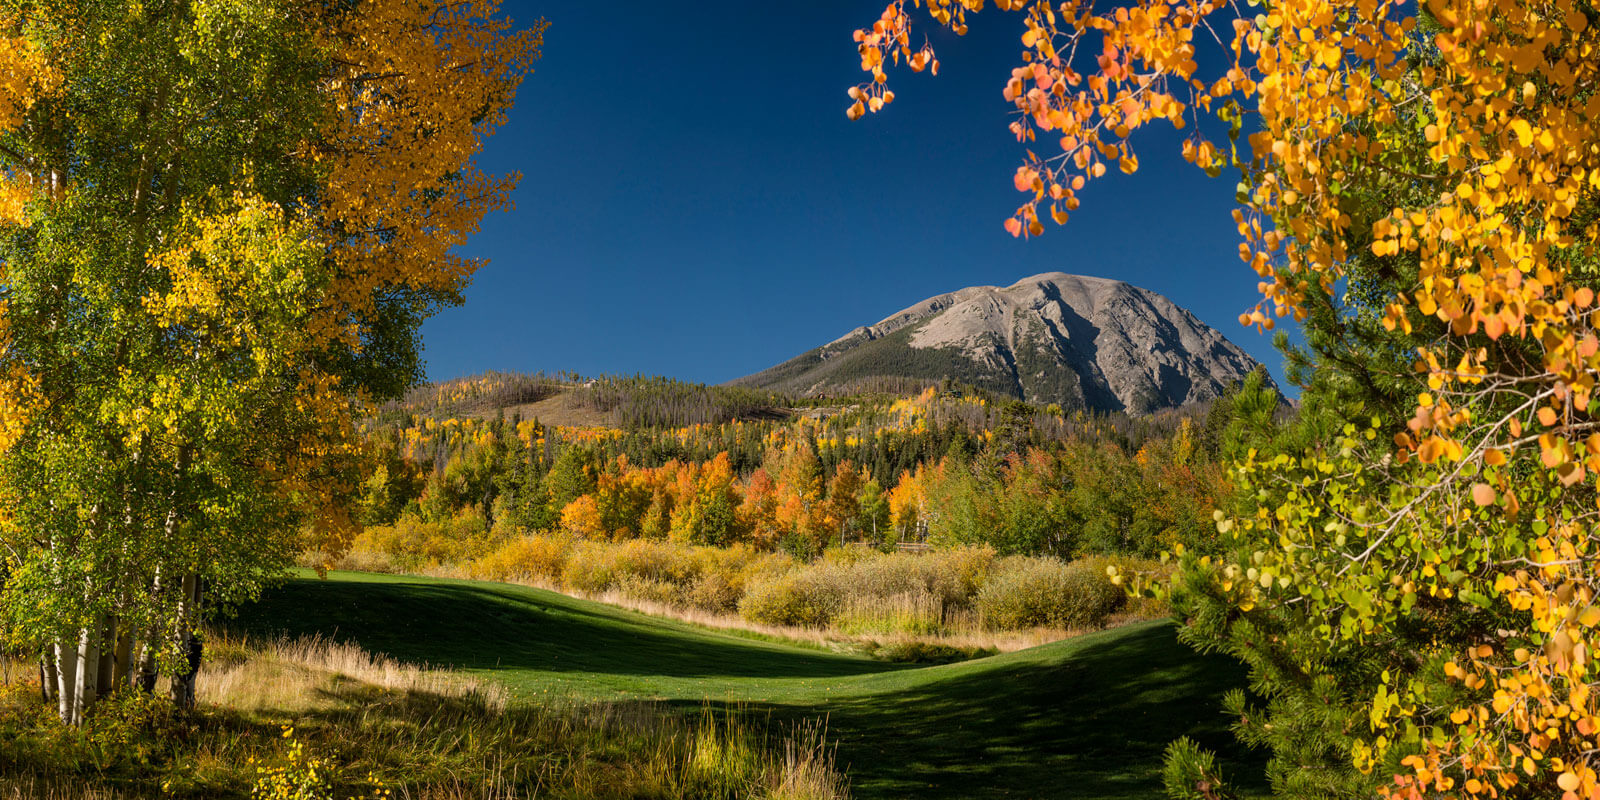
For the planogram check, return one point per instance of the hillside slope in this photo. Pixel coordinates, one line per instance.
(1078, 341)
(1086, 718)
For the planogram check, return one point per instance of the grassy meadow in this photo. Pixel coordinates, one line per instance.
(1087, 717)
(438, 689)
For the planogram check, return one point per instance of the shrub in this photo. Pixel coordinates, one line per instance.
(650, 590)
(1032, 592)
(809, 597)
(590, 568)
(296, 776)
(525, 558)
(716, 591)
(958, 573)
(708, 578)
(849, 555)
(132, 725)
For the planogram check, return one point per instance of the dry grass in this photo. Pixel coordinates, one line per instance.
(33, 787)
(284, 675)
(808, 767)
(917, 613)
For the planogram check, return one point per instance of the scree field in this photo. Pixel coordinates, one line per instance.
(1083, 718)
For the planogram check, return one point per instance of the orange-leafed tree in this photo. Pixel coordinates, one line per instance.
(758, 510)
(709, 513)
(1417, 592)
(221, 226)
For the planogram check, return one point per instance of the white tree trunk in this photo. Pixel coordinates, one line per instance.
(66, 657)
(87, 672)
(78, 674)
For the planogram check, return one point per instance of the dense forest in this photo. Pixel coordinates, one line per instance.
(719, 465)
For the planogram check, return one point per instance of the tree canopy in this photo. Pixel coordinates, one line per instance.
(1411, 574)
(222, 226)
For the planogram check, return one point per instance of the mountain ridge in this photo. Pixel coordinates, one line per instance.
(1078, 341)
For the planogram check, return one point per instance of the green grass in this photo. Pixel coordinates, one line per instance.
(1084, 718)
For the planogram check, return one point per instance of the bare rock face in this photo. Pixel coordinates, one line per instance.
(1081, 342)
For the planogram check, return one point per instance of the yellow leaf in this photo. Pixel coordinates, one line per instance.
(1523, 131)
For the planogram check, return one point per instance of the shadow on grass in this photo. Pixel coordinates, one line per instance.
(473, 627)
(1094, 725)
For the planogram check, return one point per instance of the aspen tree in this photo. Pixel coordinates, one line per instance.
(223, 223)
(1424, 589)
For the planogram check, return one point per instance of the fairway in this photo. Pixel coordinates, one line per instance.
(1084, 718)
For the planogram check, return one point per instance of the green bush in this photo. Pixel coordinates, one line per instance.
(131, 726)
(1032, 592)
(809, 597)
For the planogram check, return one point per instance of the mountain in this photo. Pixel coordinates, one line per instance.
(1077, 341)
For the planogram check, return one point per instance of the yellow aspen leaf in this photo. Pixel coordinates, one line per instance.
(1523, 131)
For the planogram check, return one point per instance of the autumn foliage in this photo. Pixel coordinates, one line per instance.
(1435, 168)
(950, 469)
(221, 226)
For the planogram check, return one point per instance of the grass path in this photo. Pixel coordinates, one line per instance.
(1084, 718)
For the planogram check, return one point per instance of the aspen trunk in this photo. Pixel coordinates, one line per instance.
(47, 675)
(78, 674)
(87, 685)
(144, 673)
(188, 616)
(66, 679)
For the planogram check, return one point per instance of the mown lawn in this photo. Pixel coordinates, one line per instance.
(1083, 718)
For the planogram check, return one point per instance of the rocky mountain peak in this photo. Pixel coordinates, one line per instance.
(1074, 340)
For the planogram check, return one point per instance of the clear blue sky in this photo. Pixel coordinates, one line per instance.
(695, 203)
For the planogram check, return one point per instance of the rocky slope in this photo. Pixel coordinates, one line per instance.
(1077, 341)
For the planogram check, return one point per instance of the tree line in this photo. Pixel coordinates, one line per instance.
(945, 468)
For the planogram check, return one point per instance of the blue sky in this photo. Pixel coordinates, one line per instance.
(695, 203)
